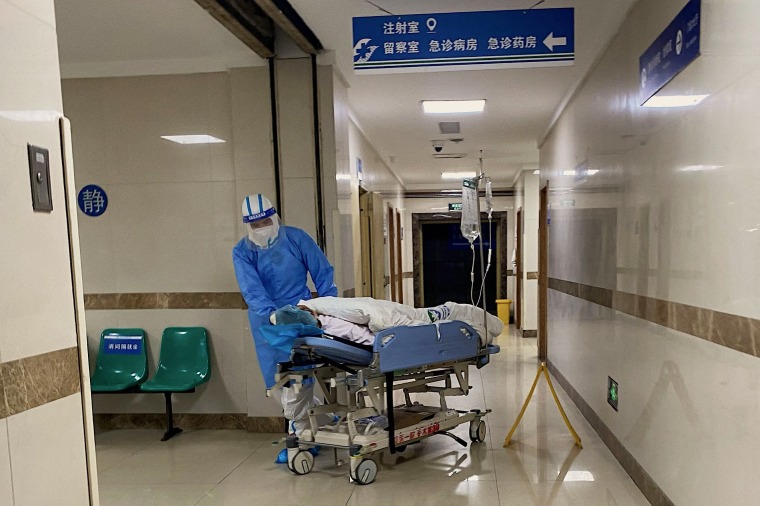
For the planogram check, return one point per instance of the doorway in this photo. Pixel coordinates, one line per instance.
(447, 263)
(365, 227)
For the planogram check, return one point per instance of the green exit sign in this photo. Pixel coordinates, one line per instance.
(457, 206)
(612, 393)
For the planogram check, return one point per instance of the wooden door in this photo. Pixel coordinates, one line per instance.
(392, 250)
(518, 270)
(399, 263)
(543, 278)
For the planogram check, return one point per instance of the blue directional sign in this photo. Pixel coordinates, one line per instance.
(92, 200)
(675, 48)
(467, 40)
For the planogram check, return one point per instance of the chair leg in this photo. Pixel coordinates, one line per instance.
(171, 430)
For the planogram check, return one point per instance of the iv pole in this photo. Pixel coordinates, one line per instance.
(481, 177)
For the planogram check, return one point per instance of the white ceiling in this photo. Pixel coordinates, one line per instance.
(119, 37)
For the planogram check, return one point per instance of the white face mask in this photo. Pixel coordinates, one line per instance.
(265, 237)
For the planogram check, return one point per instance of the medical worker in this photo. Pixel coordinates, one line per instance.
(271, 263)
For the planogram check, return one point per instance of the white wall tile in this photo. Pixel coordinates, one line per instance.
(47, 457)
(683, 184)
(40, 272)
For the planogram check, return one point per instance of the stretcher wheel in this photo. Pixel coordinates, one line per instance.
(302, 463)
(477, 431)
(366, 472)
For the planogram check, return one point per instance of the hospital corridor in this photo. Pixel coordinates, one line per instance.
(542, 466)
(379, 252)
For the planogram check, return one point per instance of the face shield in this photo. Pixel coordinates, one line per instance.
(263, 233)
(261, 221)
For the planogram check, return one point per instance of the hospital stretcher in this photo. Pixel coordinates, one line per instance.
(359, 382)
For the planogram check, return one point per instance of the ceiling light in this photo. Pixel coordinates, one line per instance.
(568, 172)
(342, 177)
(674, 100)
(591, 172)
(192, 139)
(449, 155)
(452, 106)
(458, 175)
(536, 172)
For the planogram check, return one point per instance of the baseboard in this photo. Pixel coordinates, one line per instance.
(654, 494)
(113, 421)
(528, 333)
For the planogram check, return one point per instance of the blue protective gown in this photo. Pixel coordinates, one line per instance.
(274, 277)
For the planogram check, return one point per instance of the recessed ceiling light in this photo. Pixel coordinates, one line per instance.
(591, 172)
(452, 106)
(192, 139)
(342, 177)
(674, 100)
(536, 172)
(457, 175)
(568, 172)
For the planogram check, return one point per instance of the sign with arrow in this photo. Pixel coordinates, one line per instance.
(464, 40)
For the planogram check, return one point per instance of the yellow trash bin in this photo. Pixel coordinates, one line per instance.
(502, 310)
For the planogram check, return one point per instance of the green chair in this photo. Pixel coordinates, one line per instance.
(183, 364)
(122, 363)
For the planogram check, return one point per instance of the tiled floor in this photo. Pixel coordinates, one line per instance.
(235, 467)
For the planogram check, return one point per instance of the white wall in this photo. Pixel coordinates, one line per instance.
(683, 185)
(527, 197)
(173, 214)
(379, 179)
(42, 444)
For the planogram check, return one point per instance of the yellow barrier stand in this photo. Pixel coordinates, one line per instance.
(543, 369)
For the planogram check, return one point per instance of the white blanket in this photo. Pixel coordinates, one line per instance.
(380, 314)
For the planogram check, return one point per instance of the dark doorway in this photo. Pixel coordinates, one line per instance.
(447, 262)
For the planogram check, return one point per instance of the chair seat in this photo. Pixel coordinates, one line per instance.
(102, 383)
(173, 382)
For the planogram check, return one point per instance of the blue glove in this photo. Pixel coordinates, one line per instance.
(291, 314)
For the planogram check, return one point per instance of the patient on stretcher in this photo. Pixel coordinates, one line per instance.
(359, 319)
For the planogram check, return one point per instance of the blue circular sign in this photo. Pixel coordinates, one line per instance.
(92, 200)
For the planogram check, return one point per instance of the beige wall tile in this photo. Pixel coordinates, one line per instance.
(252, 123)
(48, 462)
(299, 195)
(294, 112)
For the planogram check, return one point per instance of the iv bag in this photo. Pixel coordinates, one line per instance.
(489, 198)
(470, 210)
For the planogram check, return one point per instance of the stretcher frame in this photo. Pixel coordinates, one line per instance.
(354, 392)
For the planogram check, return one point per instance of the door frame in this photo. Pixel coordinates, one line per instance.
(518, 268)
(500, 262)
(543, 275)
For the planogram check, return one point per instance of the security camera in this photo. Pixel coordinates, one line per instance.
(438, 146)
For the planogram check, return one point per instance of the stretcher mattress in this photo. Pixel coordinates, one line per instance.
(402, 348)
